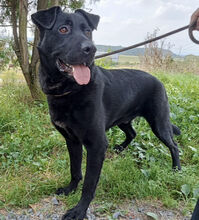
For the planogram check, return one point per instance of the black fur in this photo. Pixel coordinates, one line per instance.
(195, 215)
(82, 113)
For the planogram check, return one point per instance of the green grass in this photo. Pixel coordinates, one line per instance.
(124, 59)
(34, 159)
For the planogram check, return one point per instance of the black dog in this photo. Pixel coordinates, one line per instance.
(195, 215)
(86, 100)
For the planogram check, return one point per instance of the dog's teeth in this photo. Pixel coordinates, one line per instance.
(69, 66)
(84, 64)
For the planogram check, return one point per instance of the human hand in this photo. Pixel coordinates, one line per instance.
(195, 18)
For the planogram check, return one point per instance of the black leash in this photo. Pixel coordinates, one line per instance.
(191, 29)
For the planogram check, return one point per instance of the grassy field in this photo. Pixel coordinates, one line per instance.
(123, 59)
(189, 64)
(34, 159)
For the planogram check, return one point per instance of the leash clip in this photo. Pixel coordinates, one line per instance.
(191, 29)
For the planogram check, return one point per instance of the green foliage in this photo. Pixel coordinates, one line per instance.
(5, 11)
(7, 55)
(75, 4)
(104, 62)
(152, 215)
(34, 159)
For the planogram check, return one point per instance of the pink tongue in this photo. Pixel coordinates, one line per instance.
(81, 74)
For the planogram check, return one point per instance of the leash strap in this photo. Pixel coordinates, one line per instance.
(191, 28)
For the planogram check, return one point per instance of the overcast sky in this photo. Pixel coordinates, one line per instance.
(125, 22)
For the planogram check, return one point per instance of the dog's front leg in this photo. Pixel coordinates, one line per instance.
(96, 149)
(75, 153)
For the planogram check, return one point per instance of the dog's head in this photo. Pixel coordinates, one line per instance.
(66, 41)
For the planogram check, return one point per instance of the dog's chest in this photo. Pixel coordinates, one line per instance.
(69, 115)
(60, 124)
(60, 113)
(60, 117)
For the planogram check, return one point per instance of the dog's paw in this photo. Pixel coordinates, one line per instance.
(118, 148)
(76, 213)
(176, 168)
(64, 191)
(72, 186)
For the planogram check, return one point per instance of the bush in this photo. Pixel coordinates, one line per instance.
(157, 54)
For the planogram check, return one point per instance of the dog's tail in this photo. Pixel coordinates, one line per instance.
(176, 130)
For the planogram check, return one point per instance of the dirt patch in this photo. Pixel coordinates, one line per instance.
(52, 208)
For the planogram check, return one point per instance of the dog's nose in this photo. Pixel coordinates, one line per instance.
(88, 48)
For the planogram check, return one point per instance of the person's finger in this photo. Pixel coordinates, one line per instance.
(194, 16)
(197, 25)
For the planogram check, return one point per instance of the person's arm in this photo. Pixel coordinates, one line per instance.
(195, 18)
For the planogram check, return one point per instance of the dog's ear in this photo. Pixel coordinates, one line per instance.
(92, 19)
(46, 18)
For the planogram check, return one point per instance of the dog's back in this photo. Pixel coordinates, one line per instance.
(128, 93)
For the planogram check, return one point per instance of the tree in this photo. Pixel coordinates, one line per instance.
(16, 13)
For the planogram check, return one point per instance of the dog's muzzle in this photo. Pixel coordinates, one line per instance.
(81, 73)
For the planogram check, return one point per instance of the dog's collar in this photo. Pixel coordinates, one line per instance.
(60, 95)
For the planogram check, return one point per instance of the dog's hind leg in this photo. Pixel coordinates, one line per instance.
(130, 135)
(75, 153)
(164, 131)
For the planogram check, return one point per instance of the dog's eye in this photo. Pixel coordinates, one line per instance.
(88, 34)
(64, 29)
